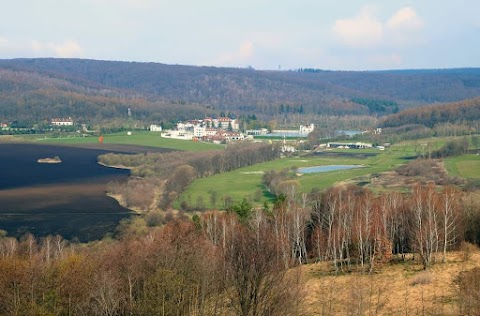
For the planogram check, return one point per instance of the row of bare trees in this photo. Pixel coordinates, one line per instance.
(352, 226)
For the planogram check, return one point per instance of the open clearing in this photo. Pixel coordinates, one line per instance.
(138, 138)
(402, 288)
(247, 182)
(467, 166)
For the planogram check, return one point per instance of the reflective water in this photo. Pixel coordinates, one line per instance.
(67, 198)
(327, 168)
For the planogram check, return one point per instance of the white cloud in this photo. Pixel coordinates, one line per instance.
(362, 30)
(237, 58)
(367, 31)
(65, 49)
(406, 18)
(404, 28)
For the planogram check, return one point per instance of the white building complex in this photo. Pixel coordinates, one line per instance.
(223, 129)
(62, 121)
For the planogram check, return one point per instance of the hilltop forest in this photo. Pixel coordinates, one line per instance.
(33, 90)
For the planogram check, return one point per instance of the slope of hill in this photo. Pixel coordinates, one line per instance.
(32, 97)
(267, 93)
(467, 110)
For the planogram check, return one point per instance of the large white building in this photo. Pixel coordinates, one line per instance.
(62, 121)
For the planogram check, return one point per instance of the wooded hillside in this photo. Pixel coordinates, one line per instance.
(23, 82)
(467, 110)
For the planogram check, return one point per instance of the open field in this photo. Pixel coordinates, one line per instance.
(246, 182)
(137, 138)
(393, 289)
(466, 166)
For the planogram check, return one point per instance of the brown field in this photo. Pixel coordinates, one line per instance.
(394, 289)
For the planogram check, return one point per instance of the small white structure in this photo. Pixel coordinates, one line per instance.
(178, 134)
(357, 145)
(307, 129)
(257, 132)
(155, 128)
(62, 121)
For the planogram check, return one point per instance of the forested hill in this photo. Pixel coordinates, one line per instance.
(456, 112)
(238, 90)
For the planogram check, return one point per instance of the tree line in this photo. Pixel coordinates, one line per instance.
(430, 116)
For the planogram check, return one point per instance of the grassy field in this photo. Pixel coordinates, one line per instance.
(137, 138)
(246, 181)
(466, 166)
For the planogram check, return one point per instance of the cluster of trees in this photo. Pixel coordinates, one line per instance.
(428, 170)
(453, 148)
(354, 225)
(351, 225)
(216, 266)
(377, 106)
(277, 181)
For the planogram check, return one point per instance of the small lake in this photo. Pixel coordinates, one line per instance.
(66, 198)
(327, 168)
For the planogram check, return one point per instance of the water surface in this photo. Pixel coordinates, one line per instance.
(67, 198)
(327, 168)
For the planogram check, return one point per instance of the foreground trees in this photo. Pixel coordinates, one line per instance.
(178, 269)
(239, 262)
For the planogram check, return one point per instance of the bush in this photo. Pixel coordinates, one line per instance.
(452, 148)
(154, 218)
(467, 250)
(422, 278)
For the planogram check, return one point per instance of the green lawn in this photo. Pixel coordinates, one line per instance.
(466, 166)
(137, 138)
(246, 181)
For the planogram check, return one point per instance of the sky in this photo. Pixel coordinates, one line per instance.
(263, 34)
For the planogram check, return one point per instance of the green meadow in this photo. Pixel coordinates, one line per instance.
(466, 166)
(245, 182)
(139, 138)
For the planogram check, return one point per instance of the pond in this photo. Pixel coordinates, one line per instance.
(327, 168)
(66, 198)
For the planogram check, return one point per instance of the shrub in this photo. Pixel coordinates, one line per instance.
(422, 278)
(467, 250)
